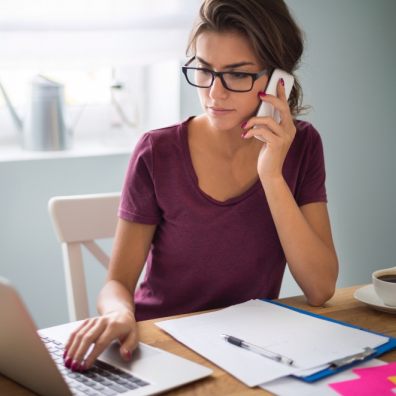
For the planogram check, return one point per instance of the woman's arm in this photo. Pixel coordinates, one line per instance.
(130, 249)
(304, 232)
(115, 302)
(306, 239)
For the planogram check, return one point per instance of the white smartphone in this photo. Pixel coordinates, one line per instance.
(266, 109)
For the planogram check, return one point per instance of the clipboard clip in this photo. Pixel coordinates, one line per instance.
(352, 358)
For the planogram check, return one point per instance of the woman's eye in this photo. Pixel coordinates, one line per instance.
(238, 76)
(204, 71)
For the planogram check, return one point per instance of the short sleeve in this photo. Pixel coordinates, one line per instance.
(312, 188)
(138, 199)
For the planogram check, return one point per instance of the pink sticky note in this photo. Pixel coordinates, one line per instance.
(372, 381)
(364, 387)
(386, 370)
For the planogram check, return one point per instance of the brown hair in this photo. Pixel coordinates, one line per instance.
(269, 27)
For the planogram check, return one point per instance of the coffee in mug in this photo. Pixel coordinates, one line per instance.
(388, 278)
(384, 282)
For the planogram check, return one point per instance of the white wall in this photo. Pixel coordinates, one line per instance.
(348, 78)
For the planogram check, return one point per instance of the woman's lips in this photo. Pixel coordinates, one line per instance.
(218, 110)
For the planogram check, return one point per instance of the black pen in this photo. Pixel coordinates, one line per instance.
(257, 349)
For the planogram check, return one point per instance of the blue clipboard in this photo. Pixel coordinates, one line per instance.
(388, 346)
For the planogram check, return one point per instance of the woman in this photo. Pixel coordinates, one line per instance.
(216, 212)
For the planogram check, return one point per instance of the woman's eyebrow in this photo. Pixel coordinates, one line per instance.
(231, 66)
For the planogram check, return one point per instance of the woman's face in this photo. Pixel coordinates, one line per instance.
(228, 51)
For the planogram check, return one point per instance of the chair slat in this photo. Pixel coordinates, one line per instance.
(98, 252)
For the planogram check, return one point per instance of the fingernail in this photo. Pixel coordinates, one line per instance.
(128, 355)
(68, 362)
(64, 354)
(262, 93)
(75, 366)
(82, 366)
(243, 125)
(282, 81)
(243, 134)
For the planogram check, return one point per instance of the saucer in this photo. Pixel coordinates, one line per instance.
(367, 295)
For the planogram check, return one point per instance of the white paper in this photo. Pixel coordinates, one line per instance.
(289, 386)
(310, 371)
(309, 341)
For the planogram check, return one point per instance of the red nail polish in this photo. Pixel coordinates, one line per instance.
(243, 124)
(64, 354)
(128, 355)
(75, 366)
(262, 93)
(82, 366)
(282, 81)
(68, 362)
(243, 134)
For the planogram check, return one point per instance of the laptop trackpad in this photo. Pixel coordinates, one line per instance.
(142, 352)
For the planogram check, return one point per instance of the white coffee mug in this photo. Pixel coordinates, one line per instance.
(384, 282)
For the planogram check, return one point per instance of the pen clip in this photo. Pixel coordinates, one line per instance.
(352, 358)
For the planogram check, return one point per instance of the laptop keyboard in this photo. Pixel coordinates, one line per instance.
(101, 380)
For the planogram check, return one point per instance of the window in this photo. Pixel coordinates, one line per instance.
(89, 46)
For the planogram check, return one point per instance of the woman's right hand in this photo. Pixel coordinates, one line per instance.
(98, 333)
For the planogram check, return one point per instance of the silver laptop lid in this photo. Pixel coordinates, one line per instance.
(23, 356)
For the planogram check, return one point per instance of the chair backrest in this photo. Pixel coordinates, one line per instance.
(79, 220)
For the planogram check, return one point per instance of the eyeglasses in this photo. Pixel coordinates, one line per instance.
(232, 80)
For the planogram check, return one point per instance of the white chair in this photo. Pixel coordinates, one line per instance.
(79, 220)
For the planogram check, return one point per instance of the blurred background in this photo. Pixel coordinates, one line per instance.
(119, 65)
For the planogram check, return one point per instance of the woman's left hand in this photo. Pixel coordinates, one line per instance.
(277, 137)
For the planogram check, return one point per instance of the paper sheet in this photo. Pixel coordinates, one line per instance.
(309, 341)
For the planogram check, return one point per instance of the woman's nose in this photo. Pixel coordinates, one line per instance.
(217, 90)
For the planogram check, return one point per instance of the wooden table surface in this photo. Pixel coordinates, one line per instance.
(341, 307)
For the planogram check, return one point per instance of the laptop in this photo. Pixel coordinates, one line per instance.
(35, 360)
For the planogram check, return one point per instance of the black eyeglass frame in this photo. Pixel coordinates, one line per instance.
(215, 74)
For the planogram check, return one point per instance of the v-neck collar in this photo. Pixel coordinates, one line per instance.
(183, 131)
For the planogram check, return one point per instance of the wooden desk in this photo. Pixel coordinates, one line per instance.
(341, 307)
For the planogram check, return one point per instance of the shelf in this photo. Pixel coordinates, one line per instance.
(12, 152)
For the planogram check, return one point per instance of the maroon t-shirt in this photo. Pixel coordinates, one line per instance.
(206, 253)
